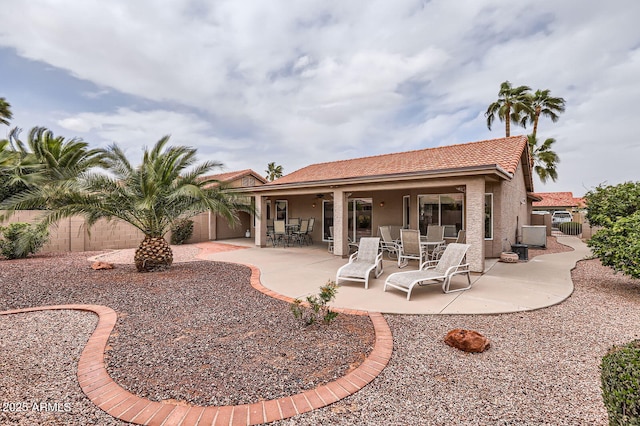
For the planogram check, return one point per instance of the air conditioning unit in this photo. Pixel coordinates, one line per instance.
(534, 235)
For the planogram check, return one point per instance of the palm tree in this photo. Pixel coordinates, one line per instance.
(544, 159)
(512, 106)
(542, 103)
(59, 159)
(273, 172)
(151, 197)
(5, 111)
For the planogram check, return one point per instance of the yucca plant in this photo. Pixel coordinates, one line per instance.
(166, 186)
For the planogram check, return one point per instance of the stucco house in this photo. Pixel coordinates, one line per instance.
(218, 228)
(483, 187)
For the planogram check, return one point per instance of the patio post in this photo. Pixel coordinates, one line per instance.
(475, 189)
(261, 221)
(340, 221)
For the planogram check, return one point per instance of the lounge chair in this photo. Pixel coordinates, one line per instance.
(434, 272)
(388, 244)
(460, 239)
(368, 258)
(410, 247)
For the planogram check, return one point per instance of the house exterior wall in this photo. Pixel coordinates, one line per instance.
(511, 210)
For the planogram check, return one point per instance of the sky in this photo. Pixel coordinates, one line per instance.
(304, 82)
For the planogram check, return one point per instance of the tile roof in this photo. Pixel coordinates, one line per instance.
(504, 152)
(231, 176)
(558, 199)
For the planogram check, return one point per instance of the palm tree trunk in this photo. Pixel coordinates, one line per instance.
(153, 254)
(535, 120)
(507, 122)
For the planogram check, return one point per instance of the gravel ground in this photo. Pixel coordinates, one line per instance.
(542, 368)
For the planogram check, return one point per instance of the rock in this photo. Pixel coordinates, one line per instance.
(101, 265)
(467, 340)
(509, 257)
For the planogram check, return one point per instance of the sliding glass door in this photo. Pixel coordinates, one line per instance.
(441, 209)
(359, 218)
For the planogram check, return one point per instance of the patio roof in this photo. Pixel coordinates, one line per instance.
(500, 156)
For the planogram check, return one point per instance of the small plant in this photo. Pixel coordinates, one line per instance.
(181, 231)
(570, 228)
(19, 240)
(316, 307)
(620, 378)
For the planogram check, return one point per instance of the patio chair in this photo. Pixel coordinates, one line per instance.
(280, 233)
(387, 243)
(367, 259)
(434, 272)
(312, 221)
(300, 236)
(352, 245)
(410, 247)
(434, 239)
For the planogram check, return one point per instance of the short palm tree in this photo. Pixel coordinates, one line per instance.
(512, 106)
(5, 111)
(165, 187)
(273, 172)
(543, 104)
(544, 159)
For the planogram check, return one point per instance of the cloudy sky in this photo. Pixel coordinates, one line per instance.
(301, 82)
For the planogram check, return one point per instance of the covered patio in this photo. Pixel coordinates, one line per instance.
(482, 187)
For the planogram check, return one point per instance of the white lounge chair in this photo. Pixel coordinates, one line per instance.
(434, 272)
(368, 258)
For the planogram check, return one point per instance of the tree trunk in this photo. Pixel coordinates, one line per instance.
(535, 120)
(153, 254)
(507, 121)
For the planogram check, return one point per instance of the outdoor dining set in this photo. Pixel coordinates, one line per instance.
(287, 233)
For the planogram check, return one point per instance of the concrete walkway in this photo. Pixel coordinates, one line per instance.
(299, 271)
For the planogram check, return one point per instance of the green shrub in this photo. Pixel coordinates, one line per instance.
(316, 307)
(620, 377)
(570, 228)
(18, 240)
(181, 231)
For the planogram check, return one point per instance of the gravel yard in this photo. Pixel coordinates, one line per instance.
(200, 333)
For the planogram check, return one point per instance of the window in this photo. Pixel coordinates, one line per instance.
(441, 209)
(281, 210)
(488, 216)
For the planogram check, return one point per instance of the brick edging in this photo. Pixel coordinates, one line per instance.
(101, 390)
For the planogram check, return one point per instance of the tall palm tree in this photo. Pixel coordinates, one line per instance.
(542, 103)
(166, 186)
(512, 106)
(273, 172)
(544, 159)
(5, 111)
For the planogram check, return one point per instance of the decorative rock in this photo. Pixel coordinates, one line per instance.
(509, 257)
(467, 340)
(101, 265)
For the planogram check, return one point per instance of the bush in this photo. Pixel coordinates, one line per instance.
(19, 240)
(570, 228)
(620, 377)
(181, 231)
(316, 307)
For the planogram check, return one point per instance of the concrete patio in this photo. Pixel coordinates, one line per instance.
(300, 271)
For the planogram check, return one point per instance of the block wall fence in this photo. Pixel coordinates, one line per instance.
(72, 235)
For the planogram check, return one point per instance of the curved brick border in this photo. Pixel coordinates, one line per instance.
(116, 401)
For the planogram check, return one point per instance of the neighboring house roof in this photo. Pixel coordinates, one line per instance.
(232, 176)
(502, 155)
(558, 199)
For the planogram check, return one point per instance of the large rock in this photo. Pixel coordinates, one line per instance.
(467, 340)
(101, 265)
